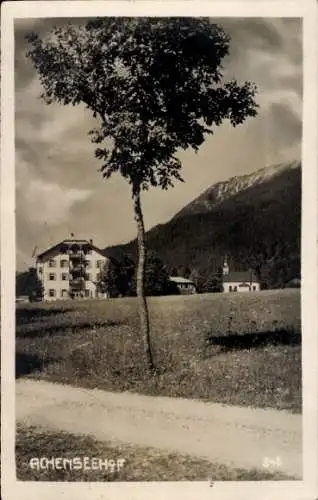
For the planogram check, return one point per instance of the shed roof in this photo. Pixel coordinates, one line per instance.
(179, 279)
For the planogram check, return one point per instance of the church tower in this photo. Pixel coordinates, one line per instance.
(226, 268)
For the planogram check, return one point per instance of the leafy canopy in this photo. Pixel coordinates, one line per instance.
(154, 83)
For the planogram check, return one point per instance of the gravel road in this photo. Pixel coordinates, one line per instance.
(233, 436)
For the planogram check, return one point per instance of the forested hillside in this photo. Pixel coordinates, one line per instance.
(257, 225)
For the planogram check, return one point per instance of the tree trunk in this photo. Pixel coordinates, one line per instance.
(143, 307)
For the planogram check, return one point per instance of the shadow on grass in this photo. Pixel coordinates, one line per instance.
(254, 340)
(29, 314)
(25, 364)
(42, 330)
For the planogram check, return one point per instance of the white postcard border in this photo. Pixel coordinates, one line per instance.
(296, 489)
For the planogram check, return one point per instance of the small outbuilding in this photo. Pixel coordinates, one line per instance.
(185, 286)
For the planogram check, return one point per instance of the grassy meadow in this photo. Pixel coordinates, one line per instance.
(141, 464)
(238, 349)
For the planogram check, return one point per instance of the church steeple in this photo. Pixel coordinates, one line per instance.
(226, 268)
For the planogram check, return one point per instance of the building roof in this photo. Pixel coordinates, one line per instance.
(240, 277)
(178, 279)
(56, 247)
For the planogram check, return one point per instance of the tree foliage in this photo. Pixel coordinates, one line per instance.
(29, 284)
(119, 277)
(116, 277)
(156, 276)
(154, 83)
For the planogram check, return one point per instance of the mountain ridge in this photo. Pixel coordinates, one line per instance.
(222, 190)
(246, 220)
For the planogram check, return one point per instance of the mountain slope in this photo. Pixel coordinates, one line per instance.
(254, 220)
(222, 191)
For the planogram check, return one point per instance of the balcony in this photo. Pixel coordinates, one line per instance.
(77, 284)
(77, 268)
(78, 257)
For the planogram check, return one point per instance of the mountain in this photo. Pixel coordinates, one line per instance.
(254, 219)
(222, 191)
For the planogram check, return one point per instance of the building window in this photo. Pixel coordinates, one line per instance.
(88, 264)
(87, 294)
(52, 277)
(40, 270)
(98, 276)
(64, 276)
(64, 293)
(52, 293)
(235, 289)
(254, 288)
(64, 263)
(99, 264)
(230, 288)
(52, 263)
(88, 277)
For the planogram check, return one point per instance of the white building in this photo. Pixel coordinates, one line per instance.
(240, 281)
(71, 269)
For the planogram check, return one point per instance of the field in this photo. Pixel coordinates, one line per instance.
(236, 349)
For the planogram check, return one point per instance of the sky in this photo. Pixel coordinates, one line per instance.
(59, 189)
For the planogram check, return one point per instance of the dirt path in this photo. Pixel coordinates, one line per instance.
(233, 436)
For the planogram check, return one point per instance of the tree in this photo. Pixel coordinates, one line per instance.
(116, 277)
(28, 283)
(156, 276)
(213, 284)
(107, 279)
(186, 271)
(155, 86)
(196, 277)
(174, 271)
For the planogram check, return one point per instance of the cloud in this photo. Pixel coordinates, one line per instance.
(59, 187)
(44, 202)
(55, 201)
